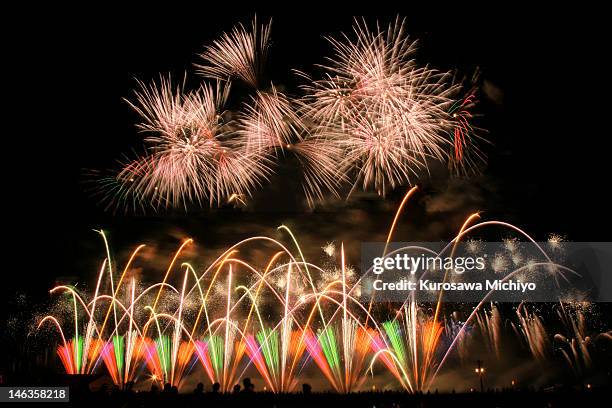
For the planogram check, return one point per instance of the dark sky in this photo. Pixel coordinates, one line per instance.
(70, 69)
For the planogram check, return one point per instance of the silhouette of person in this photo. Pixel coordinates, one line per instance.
(167, 388)
(306, 388)
(236, 388)
(248, 385)
(216, 387)
(199, 389)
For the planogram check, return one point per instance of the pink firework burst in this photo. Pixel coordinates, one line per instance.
(190, 154)
(238, 54)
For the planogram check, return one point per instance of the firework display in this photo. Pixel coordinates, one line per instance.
(372, 118)
(237, 210)
(290, 314)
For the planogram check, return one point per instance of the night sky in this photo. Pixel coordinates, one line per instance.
(548, 163)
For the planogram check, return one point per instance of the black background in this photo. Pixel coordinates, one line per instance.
(69, 68)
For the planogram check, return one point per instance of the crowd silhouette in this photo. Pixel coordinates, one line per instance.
(246, 395)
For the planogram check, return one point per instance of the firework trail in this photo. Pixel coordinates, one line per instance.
(271, 126)
(489, 324)
(191, 156)
(410, 340)
(532, 330)
(275, 351)
(341, 358)
(277, 319)
(239, 54)
(465, 156)
(219, 355)
(319, 160)
(388, 115)
(269, 353)
(577, 342)
(453, 329)
(269, 123)
(374, 118)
